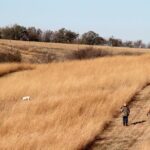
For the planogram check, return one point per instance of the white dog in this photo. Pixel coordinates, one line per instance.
(26, 98)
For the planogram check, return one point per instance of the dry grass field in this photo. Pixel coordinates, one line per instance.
(10, 68)
(134, 137)
(71, 102)
(40, 52)
(146, 145)
(24, 44)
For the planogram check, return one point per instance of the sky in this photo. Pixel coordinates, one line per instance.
(124, 19)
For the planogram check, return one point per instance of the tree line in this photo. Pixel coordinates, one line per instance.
(18, 32)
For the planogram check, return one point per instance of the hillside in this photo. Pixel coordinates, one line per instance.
(116, 137)
(71, 102)
(39, 52)
(6, 69)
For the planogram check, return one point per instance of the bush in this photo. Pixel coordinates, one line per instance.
(89, 53)
(44, 58)
(11, 57)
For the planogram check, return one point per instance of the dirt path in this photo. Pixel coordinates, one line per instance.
(117, 137)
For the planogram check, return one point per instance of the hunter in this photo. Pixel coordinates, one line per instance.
(125, 114)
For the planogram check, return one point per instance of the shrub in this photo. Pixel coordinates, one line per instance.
(11, 57)
(89, 53)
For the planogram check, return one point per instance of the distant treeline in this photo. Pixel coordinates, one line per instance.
(17, 32)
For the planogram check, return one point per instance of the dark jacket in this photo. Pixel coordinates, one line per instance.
(125, 111)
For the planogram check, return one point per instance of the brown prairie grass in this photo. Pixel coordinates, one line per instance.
(25, 45)
(71, 102)
(41, 52)
(10, 68)
(145, 145)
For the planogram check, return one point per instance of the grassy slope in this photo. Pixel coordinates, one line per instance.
(24, 44)
(10, 68)
(116, 136)
(145, 145)
(71, 101)
(38, 51)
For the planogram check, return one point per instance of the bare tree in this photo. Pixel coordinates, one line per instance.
(47, 36)
(148, 45)
(89, 38)
(115, 42)
(64, 36)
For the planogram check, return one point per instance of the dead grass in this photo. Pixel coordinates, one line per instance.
(25, 44)
(10, 68)
(71, 101)
(145, 145)
(40, 52)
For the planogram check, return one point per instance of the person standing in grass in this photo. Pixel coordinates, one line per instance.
(125, 114)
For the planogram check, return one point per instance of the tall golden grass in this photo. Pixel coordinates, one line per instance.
(71, 102)
(145, 145)
(9, 68)
(41, 52)
(24, 44)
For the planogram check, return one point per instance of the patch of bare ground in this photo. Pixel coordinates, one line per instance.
(118, 137)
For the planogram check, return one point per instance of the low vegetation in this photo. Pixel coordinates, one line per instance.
(145, 145)
(35, 52)
(10, 68)
(90, 53)
(71, 102)
(10, 57)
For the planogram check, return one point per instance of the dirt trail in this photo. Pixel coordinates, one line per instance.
(117, 137)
